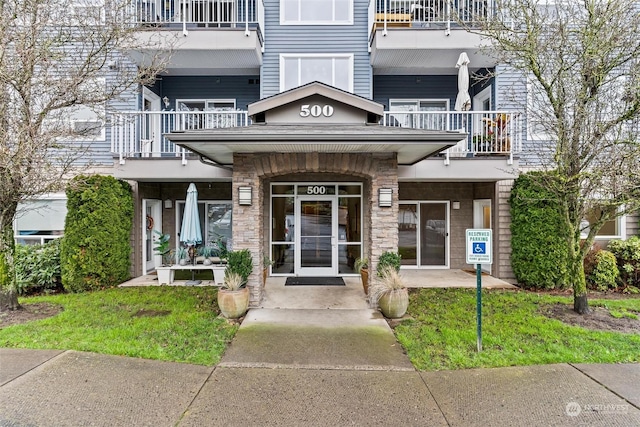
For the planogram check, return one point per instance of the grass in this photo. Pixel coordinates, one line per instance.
(179, 324)
(442, 331)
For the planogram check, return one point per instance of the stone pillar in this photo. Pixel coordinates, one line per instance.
(384, 221)
(248, 221)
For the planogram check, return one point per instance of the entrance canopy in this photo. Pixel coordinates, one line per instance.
(315, 118)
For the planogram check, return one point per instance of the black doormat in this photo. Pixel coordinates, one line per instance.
(314, 281)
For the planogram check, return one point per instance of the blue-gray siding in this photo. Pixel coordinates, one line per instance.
(244, 89)
(340, 39)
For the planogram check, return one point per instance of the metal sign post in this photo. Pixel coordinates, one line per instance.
(479, 252)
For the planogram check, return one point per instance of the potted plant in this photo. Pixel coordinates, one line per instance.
(389, 293)
(388, 259)
(240, 262)
(266, 261)
(361, 265)
(206, 252)
(162, 248)
(233, 296)
(181, 255)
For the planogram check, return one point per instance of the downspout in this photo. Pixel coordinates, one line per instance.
(210, 162)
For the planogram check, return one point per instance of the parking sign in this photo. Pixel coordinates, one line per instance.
(479, 246)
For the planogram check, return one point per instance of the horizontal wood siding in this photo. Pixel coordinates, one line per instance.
(296, 39)
(415, 87)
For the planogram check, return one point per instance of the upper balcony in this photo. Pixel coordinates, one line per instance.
(138, 136)
(204, 36)
(408, 36)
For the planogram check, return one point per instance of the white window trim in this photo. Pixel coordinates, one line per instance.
(621, 225)
(417, 101)
(284, 56)
(481, 96)
(206, 101)
(283, 21)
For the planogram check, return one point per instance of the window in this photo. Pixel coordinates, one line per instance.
(39, 221)
(316, 12)
(207, 113)
(416, 116)
(334, 70)
(215, 221)
(612, 229)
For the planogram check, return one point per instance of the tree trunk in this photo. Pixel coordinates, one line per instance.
(576, 275)
(8, 291)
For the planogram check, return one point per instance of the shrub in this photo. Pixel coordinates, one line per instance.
(37, 267)
(627, 253)
(388, 259)
(239, 262)
(539, 250)
(95, 252)
(601, 271)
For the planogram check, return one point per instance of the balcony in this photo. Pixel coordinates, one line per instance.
(204, 36)
(407, 34)
(140, 134)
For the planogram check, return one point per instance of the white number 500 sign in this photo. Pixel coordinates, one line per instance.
(316, 110)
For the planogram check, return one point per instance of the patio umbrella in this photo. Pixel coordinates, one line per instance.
(463, 100)
(190, 232)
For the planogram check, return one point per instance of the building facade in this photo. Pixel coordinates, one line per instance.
(318, 111)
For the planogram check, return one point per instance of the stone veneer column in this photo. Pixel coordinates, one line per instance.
(247, 221)
(383, 234)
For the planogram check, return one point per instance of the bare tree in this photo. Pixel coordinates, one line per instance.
(62, 63)
(582, 60)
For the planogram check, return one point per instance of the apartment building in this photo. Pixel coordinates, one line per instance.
(321, 131)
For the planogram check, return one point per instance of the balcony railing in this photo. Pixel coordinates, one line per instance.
(141, 134)
(423, 13)
(201, 13)
(488, 132)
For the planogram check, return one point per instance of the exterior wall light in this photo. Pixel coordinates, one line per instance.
(166, 101)
(244, 196)
(455, 205)
(385, 197)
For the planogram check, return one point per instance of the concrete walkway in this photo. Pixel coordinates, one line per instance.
(54, 388)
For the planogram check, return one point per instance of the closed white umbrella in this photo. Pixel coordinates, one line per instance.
(463, 100)
(190, 232)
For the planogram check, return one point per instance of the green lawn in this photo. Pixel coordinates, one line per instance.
(179, 324)
(442, 331)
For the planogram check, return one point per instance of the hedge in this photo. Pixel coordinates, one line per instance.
(538, 248)
(37, 267)
(96, 248)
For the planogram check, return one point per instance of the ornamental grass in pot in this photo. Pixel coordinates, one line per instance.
(389, 293)
(233, 296)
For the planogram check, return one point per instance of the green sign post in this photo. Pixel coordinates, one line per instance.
(479, 252)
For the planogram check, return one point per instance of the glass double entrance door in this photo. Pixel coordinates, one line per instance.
(316, 230)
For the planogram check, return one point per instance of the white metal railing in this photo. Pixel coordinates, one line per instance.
(488, 132)
(140, 134)
(422, 13)
(208, 13)
(34, 239)
(143, 133)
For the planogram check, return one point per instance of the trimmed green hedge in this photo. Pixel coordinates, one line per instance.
(96, 248)
(538, 248)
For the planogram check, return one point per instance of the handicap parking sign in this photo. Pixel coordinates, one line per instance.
(479, 246)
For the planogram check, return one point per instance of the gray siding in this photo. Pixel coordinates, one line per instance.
(292, 39)
(244, 89)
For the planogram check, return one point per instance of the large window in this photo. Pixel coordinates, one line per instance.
(612, 229)
(334, 70)
(421, 113)
(215, 221)
(39, 221)
(316, 12)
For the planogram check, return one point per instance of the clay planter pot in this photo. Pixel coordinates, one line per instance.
(364, 275)
(233, 304)
(393, 304)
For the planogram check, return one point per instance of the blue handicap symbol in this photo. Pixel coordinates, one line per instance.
(479, 248)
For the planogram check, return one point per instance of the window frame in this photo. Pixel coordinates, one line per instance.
(301, 56)
(621, 227)
(284, 21)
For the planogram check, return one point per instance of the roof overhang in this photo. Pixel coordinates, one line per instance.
(411, 145)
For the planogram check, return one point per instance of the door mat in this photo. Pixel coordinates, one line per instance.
(314, 281)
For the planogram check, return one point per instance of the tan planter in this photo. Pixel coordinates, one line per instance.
(364, 275)
(393, 304)
(233, 304)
